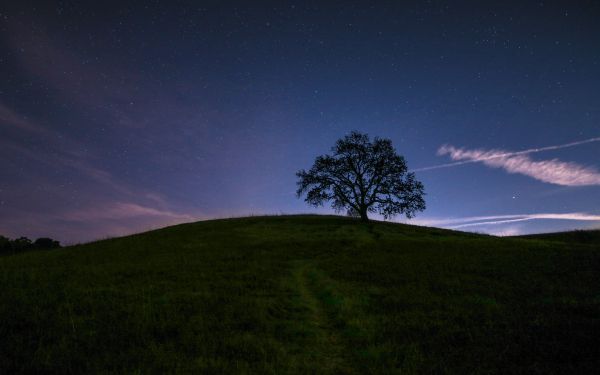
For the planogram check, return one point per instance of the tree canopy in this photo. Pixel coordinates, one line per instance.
(8, 246)
(362, 177)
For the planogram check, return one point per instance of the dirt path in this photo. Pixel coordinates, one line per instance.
(328, 349)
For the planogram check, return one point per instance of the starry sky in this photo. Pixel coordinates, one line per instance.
(118, 117)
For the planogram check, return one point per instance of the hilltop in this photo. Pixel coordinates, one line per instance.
(303, 294)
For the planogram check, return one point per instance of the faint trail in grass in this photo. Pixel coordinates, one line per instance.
(328, 348)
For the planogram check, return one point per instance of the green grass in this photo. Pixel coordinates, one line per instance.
(303, 294)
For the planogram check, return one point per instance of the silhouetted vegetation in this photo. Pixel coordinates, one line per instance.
(362, 177)
(21, 244)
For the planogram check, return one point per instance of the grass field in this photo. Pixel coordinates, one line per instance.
(304, 294)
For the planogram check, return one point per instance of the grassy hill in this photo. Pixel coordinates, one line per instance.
(576, 236)
(303, 294)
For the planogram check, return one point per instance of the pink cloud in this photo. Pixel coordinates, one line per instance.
(114, 207)
(124, 210)
(93, 222)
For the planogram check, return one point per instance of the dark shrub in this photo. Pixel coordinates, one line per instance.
(46, 243)
(5, 246)
(21, 243)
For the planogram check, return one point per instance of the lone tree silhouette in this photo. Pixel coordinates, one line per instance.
(361, 177)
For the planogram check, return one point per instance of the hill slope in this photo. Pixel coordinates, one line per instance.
(576, 236)
(302, 294)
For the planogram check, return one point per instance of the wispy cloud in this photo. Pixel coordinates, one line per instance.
(111, 205)
(9, 118)
(96, 221)
(551, 171)
(63, 182)
(500, 154)
(59, 151)
(472, 221)
(125, 210)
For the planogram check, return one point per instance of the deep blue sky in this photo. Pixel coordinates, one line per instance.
(116, 118)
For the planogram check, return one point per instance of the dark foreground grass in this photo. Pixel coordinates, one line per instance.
(303, 294)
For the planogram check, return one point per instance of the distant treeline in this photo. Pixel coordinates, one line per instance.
(8, 246)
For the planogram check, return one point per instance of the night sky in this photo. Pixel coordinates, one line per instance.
(118, 118)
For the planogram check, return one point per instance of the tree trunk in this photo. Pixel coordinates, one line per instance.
(363, 214)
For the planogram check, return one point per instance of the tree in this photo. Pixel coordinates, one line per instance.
(20, 244)
(46, 243)
(5, 246)
(362, 177)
